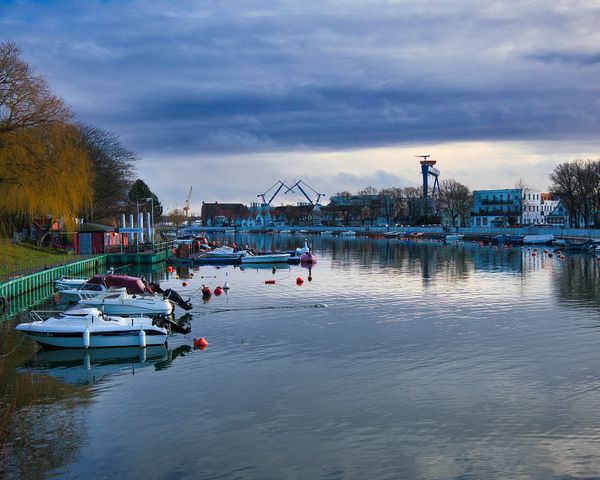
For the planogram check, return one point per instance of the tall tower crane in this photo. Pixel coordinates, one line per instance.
(186, 208)
(428, 170)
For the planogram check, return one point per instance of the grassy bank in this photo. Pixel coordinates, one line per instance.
(21, 259)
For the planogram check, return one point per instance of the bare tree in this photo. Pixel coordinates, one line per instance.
(414, 204)
(113, 169)
(368, 191)
(392, 198)
(577, 184)
(455, 199)
(25, 98)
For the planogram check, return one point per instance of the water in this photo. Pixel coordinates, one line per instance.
(430, 362)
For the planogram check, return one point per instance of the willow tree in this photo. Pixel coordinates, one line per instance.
(44, 169)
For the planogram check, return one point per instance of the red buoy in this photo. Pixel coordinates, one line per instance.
(184, 284)
(533, 254)
(299, 281)
(270, 282)
(205, 291)
(169, 269)
(200, 343)
(218, 291)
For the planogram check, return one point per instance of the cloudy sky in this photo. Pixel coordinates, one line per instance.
(233, 96)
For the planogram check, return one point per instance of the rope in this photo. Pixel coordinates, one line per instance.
(272, 307)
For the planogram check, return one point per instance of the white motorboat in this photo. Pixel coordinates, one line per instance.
(266, 258)
(538, 239)
(69, 283)
(348, 233)
(454, 237)
(230, 231)
(285, 232)
(222, 254)
(326, 233)
(89, 327)
(122, 303)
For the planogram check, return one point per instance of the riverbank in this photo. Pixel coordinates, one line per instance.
(18, 260)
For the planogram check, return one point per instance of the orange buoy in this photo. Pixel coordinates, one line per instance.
(184, 284)
(169, 269)
(205, 291)
(299, 281)
(218, 291)
(557, 252)
(200, 343)
(270, 282)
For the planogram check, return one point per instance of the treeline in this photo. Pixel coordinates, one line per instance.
(577, 184)
(52, 167)
(406, 205)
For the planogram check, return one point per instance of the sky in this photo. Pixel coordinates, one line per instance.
(231, 97)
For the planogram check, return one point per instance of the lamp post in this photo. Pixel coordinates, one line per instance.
(152, 217)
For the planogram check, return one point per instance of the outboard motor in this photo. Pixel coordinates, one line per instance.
(172, 295)
(156, 287)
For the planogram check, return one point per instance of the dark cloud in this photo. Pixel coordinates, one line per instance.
(178, 79)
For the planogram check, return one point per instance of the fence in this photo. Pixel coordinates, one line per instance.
(21, 269)
(21, 285)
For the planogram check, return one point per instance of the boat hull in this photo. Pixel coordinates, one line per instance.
(279, 258)
(98, 339)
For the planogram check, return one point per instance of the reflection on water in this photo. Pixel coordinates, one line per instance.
(431, 361)
(87, 367)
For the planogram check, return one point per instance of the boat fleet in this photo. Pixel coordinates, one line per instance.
(124, 311)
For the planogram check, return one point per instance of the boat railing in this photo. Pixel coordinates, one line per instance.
(42, 315)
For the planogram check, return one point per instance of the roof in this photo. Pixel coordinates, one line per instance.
(95, 227)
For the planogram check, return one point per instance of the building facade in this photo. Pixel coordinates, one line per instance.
(497, 208)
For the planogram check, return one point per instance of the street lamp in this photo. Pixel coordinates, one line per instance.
(151, 199)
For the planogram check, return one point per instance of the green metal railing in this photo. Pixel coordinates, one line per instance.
(44, 279)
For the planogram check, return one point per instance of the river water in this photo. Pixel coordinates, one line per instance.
(430, 361)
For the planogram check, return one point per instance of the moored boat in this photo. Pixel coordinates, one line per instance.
(538, 239)
(122, 303)
(453, 237)
(266, 258)
(89, 328)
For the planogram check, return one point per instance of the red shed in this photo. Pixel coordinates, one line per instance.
(91, 238)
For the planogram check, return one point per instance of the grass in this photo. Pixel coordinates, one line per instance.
(17, 259)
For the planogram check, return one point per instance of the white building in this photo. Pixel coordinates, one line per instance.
(532, 207)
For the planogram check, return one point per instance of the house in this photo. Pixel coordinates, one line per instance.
(223, 214)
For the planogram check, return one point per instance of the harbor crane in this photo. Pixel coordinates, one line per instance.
(263, 197)
(428, 170)
(299, 184)
(186, 208)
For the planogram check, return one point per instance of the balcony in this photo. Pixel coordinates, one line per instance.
(497, 201)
